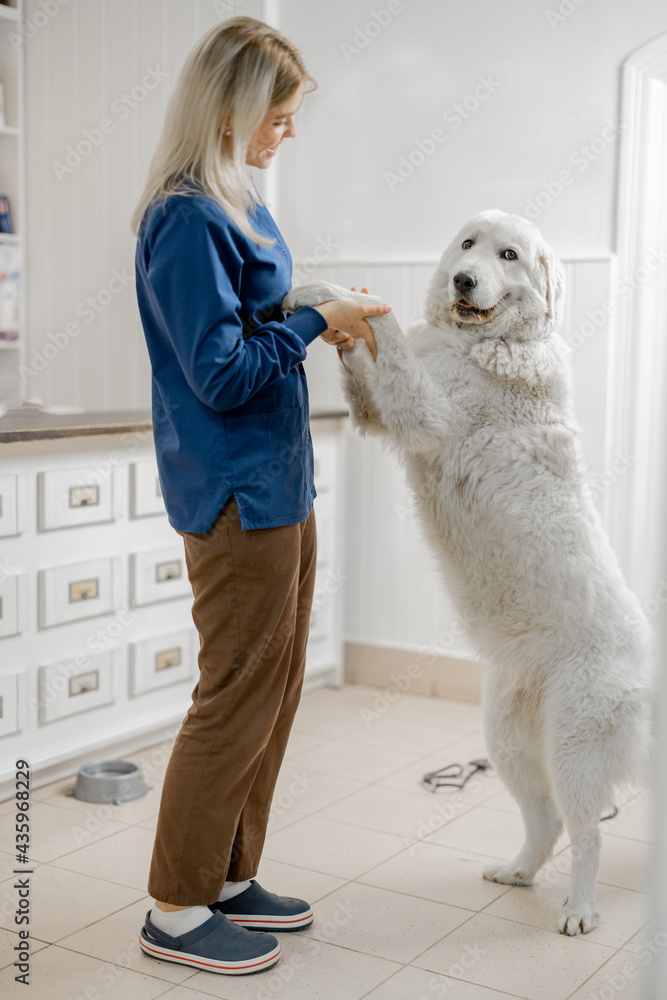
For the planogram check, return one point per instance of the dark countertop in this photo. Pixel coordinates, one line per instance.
(33, 424)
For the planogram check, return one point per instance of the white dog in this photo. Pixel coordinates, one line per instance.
(479, 403)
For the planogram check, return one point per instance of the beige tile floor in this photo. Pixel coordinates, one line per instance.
(393, 870)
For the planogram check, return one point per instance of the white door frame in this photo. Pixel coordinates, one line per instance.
(638, 342)
(638, 424)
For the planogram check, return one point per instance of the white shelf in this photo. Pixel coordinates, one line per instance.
(12, 183)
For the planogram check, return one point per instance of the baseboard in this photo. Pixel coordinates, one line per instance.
(329, 677)
(49, 768)
(365, 663)
(413, 672)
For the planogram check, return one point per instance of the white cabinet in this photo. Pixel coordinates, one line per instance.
(97, 643)
(69, 683)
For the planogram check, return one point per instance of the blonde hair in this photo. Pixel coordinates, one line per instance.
(234, 74)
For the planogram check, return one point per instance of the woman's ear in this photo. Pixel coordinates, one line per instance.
(554, 277)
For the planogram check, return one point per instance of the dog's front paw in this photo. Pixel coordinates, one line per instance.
(575, 920)
(323, 291)
(508, 874)
(313, 295)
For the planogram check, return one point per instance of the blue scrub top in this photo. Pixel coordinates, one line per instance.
(229, 392)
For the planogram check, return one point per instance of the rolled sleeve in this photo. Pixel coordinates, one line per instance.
(307, 323)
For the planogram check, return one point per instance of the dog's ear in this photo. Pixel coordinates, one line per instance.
(437, 306)
(554, 284)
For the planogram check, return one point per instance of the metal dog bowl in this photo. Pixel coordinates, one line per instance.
(113, 781)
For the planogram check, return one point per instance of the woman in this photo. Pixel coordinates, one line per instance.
(230, 422)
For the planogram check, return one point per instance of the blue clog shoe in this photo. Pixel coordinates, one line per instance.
(217, 945)
(259, 910)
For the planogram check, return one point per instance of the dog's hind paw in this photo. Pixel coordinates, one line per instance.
(577, 920)
(508, 874)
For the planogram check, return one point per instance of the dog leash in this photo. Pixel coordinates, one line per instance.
(443, 779)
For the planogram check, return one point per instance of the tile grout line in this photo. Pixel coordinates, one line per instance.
(347, 882)
(595, 973)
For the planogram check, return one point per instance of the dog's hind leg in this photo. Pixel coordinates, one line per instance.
(519, 765)
(594, 737)
(582, 785)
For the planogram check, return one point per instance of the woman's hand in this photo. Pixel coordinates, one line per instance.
(338, 339)
(347, 323)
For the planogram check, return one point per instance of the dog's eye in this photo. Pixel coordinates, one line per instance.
(509, 254)
(466, 244)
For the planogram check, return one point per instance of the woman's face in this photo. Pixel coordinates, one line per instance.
(278, 124)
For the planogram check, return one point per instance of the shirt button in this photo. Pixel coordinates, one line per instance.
(282, 250)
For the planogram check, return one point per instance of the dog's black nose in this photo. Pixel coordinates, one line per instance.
(464, 282)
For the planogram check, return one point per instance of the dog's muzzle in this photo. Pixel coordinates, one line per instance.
(464, 282)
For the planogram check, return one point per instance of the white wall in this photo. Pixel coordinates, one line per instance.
(79, 66)
(557, 88)
(558, 85)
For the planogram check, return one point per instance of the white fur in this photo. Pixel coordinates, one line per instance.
(480, 408)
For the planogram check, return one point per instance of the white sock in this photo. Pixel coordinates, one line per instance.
(178, 922)
(231, 889)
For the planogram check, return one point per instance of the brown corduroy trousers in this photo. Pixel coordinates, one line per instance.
(253, 593)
